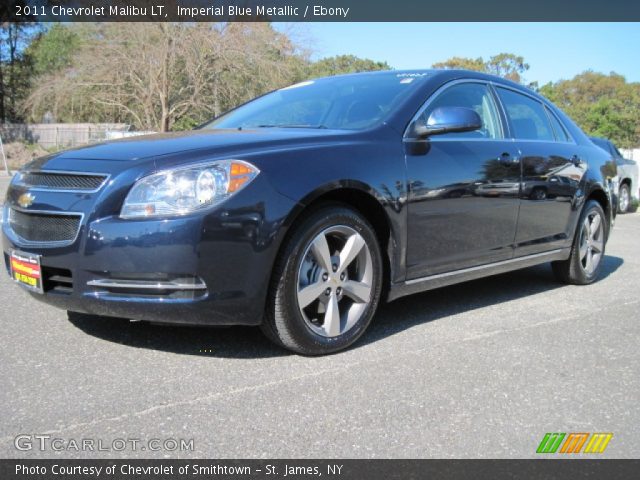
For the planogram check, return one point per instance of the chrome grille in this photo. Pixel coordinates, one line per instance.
(44, 227)
(61, 181)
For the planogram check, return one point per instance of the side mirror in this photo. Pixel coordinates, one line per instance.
(448, 120)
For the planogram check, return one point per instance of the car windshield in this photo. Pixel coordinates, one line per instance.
(347, 102)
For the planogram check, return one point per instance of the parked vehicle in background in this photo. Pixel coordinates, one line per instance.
(628, 195)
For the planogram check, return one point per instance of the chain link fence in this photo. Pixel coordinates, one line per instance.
(61, 135)
(20, 143)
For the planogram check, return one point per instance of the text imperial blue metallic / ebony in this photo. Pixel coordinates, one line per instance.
(303, 209)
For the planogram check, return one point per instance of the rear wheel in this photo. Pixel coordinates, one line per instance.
(326, 285)
(587, 252)
(624, 198)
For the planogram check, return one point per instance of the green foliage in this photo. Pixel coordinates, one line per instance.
(463, 63)
(16, 67)
(187, 122)
(344, 64)
(53, 49)
(507, 65)
(602, 105)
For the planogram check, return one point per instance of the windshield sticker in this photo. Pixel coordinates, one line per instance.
(412, 75)
(298, 85)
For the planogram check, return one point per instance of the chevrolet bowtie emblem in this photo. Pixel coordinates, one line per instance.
(26, 200)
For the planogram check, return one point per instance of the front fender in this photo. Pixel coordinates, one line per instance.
(371, 166)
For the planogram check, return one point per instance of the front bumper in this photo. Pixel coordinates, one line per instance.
(199, 269)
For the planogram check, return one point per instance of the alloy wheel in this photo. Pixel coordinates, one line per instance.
(335, 280)
(623, 204)
(591, 242)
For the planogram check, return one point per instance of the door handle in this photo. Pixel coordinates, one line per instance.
(506, 157)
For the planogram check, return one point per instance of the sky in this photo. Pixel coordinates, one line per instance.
(553, 50)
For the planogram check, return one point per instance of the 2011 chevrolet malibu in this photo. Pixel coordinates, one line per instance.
(303, 209)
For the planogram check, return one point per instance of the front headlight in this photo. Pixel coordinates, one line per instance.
(185, 190)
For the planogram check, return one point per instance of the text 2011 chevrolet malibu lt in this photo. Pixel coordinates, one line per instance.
(303, 209)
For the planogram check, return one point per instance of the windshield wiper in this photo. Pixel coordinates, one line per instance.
(284, 125)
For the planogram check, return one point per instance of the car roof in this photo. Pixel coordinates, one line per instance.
(432, 72)
(446, 74)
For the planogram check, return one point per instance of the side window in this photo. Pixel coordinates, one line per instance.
(528, 118)
(475, 96)
(558, 128)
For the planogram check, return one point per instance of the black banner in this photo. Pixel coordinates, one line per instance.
(319, 10)
(331, 469)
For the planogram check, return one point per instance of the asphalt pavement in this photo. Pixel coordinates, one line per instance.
(482, 369)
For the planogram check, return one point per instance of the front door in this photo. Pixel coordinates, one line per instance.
(463, 189)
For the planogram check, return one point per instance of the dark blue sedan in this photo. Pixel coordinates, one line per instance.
(302, 210)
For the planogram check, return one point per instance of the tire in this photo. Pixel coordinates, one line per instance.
(587, 252)
(538, 194)
(624, 198)
(314, 308)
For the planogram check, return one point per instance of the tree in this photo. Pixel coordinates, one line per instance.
(344, 64)
(164, 75)
(462, 63)
(53, 49)
(15, 66)
(505, 65)
(602, 105)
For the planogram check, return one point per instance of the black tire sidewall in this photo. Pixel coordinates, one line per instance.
(298, 335)
(578, 270)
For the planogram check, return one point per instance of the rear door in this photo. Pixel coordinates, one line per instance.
(463, 188)
(551, 172)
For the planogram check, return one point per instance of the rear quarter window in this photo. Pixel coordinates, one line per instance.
(558, 128)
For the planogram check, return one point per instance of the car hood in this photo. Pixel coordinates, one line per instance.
(117, 155)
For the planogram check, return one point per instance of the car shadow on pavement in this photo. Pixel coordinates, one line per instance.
(248, 342)
(464, 297)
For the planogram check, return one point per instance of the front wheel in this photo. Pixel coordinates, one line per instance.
(326, 284)
(585, 262)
